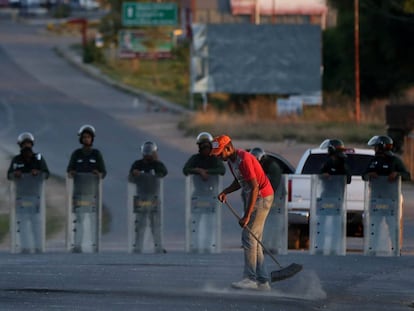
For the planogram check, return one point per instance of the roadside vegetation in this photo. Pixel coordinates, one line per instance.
(166, 78)
(313, 126)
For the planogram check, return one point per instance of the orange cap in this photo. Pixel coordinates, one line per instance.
(218, 144)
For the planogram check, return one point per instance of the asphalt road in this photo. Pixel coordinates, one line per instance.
(42, 93)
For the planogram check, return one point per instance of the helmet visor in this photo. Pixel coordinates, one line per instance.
(325, 144)
(148, 149)
(373, 141)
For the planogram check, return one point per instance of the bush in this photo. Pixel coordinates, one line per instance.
(92, 54)
(61, 10)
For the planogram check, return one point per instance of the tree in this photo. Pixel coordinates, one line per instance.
(386, 48)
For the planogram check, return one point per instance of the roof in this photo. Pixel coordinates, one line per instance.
(279, 7)
(257, 59)
(267, 7)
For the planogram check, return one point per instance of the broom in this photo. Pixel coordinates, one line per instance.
(277, 275)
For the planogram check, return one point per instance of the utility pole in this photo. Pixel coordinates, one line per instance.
(257, 12)
(357, 75)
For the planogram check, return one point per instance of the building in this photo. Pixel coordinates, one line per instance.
(257, 11)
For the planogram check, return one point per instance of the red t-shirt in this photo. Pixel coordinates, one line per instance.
(245, 168)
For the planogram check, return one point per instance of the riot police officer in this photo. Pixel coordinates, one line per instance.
(27, 171)
(385, 162)
(329, 229)
(146, 173)
(85, 170)
(270, 167)
(273, 230)
(202, 163)
(336, 162)
(149, 163)
(27, 161)
(202, 186)
(86, 159)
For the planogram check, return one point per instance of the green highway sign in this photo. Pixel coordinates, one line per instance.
(149, 14)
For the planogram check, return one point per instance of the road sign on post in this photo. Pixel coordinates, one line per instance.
(149, 14)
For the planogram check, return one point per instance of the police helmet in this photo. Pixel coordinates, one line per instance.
(384, 143)
(258, 152)
(88, 129)
(204, 137)
(25, 136)
(333, 145)
(148, 148)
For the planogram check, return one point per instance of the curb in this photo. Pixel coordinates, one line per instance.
(153, 100)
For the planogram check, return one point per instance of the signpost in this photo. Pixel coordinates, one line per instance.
(149, 14)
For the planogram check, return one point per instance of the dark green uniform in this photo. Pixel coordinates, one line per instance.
(337, 166)
(19, 163)
(154, 167)
(213, 165)
(86, 160)
(272, 171)
(385, 164)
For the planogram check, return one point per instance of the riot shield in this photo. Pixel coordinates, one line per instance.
(27, 217)
(275, 233)
(327, 228)
(203, 214)
(145, 214)
(84, 212)
(383, 217)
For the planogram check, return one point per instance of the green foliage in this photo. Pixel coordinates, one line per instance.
(409, 6)
(61, 10)
(386, 49)
(92, 54)
(109, 26)
(170, 78)
(54, 223)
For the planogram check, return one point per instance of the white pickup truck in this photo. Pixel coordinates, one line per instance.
(299, 193)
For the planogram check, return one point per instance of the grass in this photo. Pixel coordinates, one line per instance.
(304, 132)
(315, 125)
(55, 223)
(166, 78)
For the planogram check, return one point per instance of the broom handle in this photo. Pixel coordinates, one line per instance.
(253, 235)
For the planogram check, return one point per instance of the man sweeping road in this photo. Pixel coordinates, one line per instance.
(257, 197)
